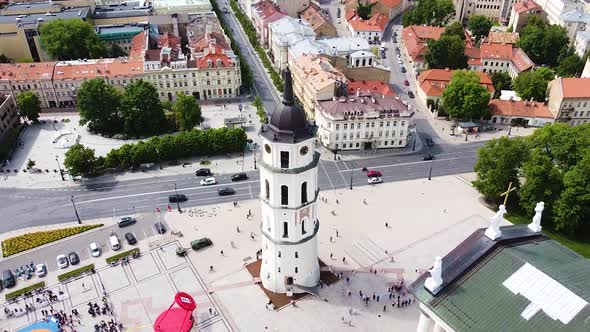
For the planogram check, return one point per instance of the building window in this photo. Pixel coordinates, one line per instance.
(296, 269)
(337, 127)
(284, 159)
(279, 254)
(284, 195)
(267, 189)
(296, 254)
(285, 229)
(345, 126)
(303, 231)
(304, 193)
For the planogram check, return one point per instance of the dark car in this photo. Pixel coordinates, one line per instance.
(403, 69)
(410, 94)
(177, 198)
(126, 221)
(429, 141)
(428, 157)
(203, 172)
(8, 279)
(160, 228)
(226, 191)
(239, 177)
(73, 258)
(130, 238)
(201, 243)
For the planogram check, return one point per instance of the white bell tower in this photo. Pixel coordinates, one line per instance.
(288, 196)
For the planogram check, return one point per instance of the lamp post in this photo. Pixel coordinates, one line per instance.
(75, 210)
(351, 172)
(466, 134)
(177, 199)
(60, 170)
(254, 154)
(415, 137)
(430, 172)
(159, 160)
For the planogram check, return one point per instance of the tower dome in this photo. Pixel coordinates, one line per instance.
(288, 118)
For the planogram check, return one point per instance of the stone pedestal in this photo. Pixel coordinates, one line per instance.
(425, 323)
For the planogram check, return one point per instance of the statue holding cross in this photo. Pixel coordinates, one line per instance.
(507, 193)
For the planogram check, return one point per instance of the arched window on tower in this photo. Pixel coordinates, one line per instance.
(284, 195)
(304, 193)
(285, 229)
(266, 189)
(284, 159)
(303, 231)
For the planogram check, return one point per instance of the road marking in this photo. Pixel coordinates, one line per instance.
(415, 162)
(250, 189)
(327, 175)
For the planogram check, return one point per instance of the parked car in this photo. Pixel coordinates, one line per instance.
(74, 258)
(114, 242)
(399, 61)
(160, 228)
(406, 83)
(126, 221)
(374, 180)
(62, 261)
(201, 243)
(410, 94)
(403, 69)
(8, 279)
(373, 174)
(40, 270)
(429, 141)
(203, 172)
(208, 182)
(94, 250)
(177, 198)
(239, 177)
(130, 238)
(428, 157)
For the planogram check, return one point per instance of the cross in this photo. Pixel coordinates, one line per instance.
(507, 193)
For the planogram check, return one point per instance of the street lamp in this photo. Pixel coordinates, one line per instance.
(76, 210)
(351, 172)
(415, 138)
(430, 172)
(159, 160)
(60, 170)
(254, 154)
(177, 199)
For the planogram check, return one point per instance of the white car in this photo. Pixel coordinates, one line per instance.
(374, 180)
(94, 249)
(40, 270)
(399, 61)
(208, 181)
(62, 261)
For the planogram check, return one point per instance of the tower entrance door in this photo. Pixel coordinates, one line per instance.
(289, 280)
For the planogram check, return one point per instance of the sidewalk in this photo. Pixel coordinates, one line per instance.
(326, 154)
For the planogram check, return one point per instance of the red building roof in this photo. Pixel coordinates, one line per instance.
(377, 22)
(521, 108)
(415, 38)
(370, 87)
(575, 87)
(434, 81)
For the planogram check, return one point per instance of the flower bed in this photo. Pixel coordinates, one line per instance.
(17, 293)
(121, 255)
(75, 273)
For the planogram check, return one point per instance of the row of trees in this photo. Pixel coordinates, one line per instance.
(81, 161)
(135, 112)
(552, 165)
(430, 12)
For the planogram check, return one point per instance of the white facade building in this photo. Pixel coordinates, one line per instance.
(574, 21)
(289, 182)
(555, 8)
(582, 42)
(284, 33)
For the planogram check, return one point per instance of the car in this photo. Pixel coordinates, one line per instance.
(114, 242)
(226, 191)
(126, 221)
(160, 228)
(40, 270)
(177, 198)
(203, 172)
(74, 258)
(374, 180)
(403, 69)
(406, 83)
(94, 250)
(373, 174)
(8, 279)
(383, 55)
(410, 94)
(399, 61)
(62, 261)
(208, 182)
(201, 243)
(429, 141)
(239, 177)
(428, 157)
(130, 238)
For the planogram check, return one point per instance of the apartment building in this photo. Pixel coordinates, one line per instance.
(292, 7)
(555, 8)
(320, 21)
(496, 57)
(371, 29)
(363, 122)
(496, 10)
(284, 33)
(521, 11)
(574, 21)
(586, 71)
(9, 118)
(264, 13)
(569, 100)
(432, 83)
(520, 112)
(390, 8)
(582, 42)
(414, 44)
(120, 34)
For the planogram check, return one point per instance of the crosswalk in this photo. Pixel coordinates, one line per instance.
(435, 140)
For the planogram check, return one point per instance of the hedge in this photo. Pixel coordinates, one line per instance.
(75, 273)
(121, 255)
(20, 243)
(17, 293)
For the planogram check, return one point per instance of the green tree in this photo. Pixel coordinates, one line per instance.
(455, 29)
(542, 42)
(479, 26)
(531, 85)
(501, 81)
(497, 165)
(71, 39)
(80, 161)
(363, 9)
(447, 52)
(4, 58)
(98, 104)
(571, 65)
(543, 183)
(188, 112)
(29, 105)
(31, 163)
(141, 110)
(430, 12)
(116, 51)
(572, 210)
(465, 98)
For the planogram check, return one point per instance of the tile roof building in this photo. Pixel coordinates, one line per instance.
(319, 19)
(371, 29)
(528, 113)
(284, 33)
(292, 7)
(120, 34)
(521, 11)
(496, 57)
(414, 43)
(569, 100)
(582, 43)
(389, 8)
(498, 37)
(374, 88)
(9, 118)
(432, 83)
(264, 13)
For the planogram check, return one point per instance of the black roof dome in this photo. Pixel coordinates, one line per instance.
(288, 118)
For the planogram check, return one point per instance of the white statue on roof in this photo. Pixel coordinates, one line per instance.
(535, 226)
(435, 280)
(493, 232)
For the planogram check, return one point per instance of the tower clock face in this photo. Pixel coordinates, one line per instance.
(304, 150)
(267, 148)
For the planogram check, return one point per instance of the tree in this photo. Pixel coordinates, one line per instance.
(430, 12)
(542, 42)
(497, 165)
(531, 85)
(188, 112)
(447, 52)
(571, 65)
(80, 160)
(572, 210)
(479, 26)
(465, 98)
(29, 105)
(116, 51)
(71, 39)
(501, 81)
(4, 58)
(31, 163)
(455, 29)
(543, 183)
(98, 104)
(141, 110)
(363, 10)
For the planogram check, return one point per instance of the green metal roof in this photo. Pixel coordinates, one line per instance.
(478, 301)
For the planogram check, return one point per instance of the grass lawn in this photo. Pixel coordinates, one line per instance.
(580, 246)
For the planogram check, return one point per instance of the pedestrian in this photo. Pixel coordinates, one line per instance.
(361, 293)
(344, 260)
(232, 244)
(330, 239)
(238, 228)
(373, 296)
(348, 280)
(331, 255)
(386, 225)
(211, 268)
(83, 285)
(210, 312)
(221, 252)
(385, 308)
(337, 202)
(349, 292)
(365, 201)
(336, 233)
